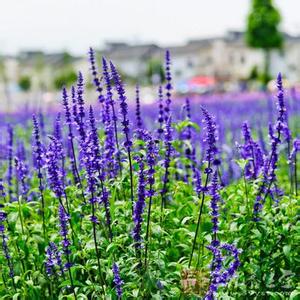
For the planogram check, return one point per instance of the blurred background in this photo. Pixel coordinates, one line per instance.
(216, 46)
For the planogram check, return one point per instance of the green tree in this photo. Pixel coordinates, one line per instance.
(24, 83)
(154, 68)
(262, 30)
(66, 78)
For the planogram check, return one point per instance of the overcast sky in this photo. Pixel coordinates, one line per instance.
(74, 25)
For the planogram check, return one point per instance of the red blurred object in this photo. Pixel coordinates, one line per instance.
(202, 80)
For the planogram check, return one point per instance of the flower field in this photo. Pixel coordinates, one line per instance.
(180, 199)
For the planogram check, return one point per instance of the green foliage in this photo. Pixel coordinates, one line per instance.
(24, 83)
(263, 32)
(66, 78)
(262, 26)
(155, 68)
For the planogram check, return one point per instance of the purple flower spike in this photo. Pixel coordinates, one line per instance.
(211, 139)
(94, 71)
(123, 105)
(139, 122)
(117, 280)
(64, 231)
(160, 119)
(4, 240)
(139, 205)
(214, 205)
(168, 85)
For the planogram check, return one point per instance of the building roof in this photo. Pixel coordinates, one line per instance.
(126, 51)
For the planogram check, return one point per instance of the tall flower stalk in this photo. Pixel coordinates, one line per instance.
(117, 280)
(68, 119)
(211, 152)
(151, 154)
(64, 220)
(125, 123)
(38, 155)
(10, 133)
(5, 249)
(160, 119)
(139, 205)
(111, 103)
(270, 166)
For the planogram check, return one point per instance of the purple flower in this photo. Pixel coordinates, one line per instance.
(214, 205)
(152, 152)
(139, 122)
(139, 204)
(123, 105)
(81, 110)
(2, 190)
(10, 162)
(38, 152)
(270, 166)
(211, 139)
(167, 159)
(53, 260)
(22, 175)
(94, 72)
(110, 126)
(251, 151)
(160, 112)
(168, 85)
(3, 219)
(295, 150)
(54, 171)
(219, 274)
(117, 280)
(63, 225)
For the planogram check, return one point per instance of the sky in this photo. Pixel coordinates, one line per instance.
(74, 25)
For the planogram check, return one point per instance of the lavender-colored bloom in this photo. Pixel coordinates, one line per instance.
(64, 231)
(2, 190)
(139, 122)
(110, 126)
(280, 97)
(214, 205)
(68, 118)
(211, 139)
(96, 80)
(168, 85)
(53, 260)
(109, 94)
(220, 275)
(81, 110)
(10, 162)
(74, 105)
(94, 147)
(160, 112)
(65, 102)
(139, 204)
(125, 124)
(38, 151)
(270, 166)
(22, 175)
(5, 249)
(123, 105)
(252, 152)
(295, 149)
(97, 166)
(167, 159)
(151, 155)
(188, 131)
(54, 171)
(117, 280)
